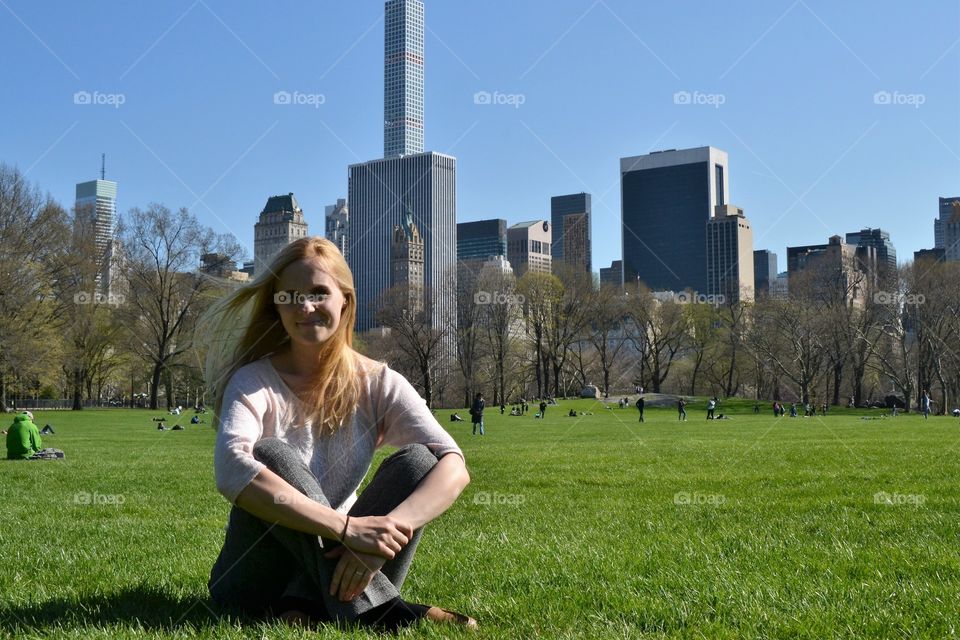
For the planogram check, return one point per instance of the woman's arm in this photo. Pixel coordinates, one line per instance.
(435, 493)
(271, 498)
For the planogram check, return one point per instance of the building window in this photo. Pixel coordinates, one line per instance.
(718, 169)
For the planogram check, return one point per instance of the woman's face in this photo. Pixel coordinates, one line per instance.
(309, 302)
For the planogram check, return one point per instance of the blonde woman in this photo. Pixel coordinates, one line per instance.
(299, 415)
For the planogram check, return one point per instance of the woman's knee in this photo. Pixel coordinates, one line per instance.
(271, 450)
(413, 462)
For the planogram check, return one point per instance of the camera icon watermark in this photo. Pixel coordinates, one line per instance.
(297, 298)
(85, 498)
(897, 98)
(696, 498)
(715, 100)
(497, 297)
(297, 98)
(87, 297)
(515, 100)
(896, 298)
(487, 499)
(115, 100)
(899, 499)
(693, 297)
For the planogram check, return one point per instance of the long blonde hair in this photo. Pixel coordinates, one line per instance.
(245, 326)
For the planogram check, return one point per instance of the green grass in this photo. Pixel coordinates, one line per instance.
(571, 527)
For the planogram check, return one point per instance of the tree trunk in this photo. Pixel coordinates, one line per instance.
(427, 386)
(837, 381)
(77, 389)
(155, 385)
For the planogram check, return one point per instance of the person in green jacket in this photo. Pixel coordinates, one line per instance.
(23, 437)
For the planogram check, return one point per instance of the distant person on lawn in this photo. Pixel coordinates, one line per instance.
(299, 415)
(23, 437)
(681, 410)
(476, 413)
(640, 404)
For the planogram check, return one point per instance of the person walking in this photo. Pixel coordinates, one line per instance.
(543, 409)
(925, 404)
(711, 407)
(476, 413)
(640, 405)
(681, 409)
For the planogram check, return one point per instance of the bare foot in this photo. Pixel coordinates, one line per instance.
(436, 614)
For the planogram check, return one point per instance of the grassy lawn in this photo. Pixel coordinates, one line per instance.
(592, 527)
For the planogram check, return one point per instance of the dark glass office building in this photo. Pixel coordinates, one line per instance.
(880, 240)
(764, 271)
(481, 239)
(667, 197)
(570, 216)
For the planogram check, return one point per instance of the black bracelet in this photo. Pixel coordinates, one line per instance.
(343, 536)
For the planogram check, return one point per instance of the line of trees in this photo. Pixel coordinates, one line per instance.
(840, 336)
(101, 320)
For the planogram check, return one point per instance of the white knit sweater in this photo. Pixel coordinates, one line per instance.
(258, 404)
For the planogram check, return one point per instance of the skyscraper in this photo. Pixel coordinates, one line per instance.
(570, 216)
(280, 223)
(481, 239)
(338, 224)
(403, 78)
(946, 229)
(380, 193)
(764, 271)
(95, 213)
(407, 178)
(612, 275)
(666, 199)
(836, 265)
(729, 256)
(880, 240)
(528, 247)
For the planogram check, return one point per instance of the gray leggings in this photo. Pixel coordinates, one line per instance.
(261, 563)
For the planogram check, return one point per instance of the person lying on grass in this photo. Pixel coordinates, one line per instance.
(299, 415)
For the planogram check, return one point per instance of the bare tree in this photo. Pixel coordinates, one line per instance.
(571, 306)
(420, 344)
(161, 256)
(500, 319)
(660, 331)
(606, 329)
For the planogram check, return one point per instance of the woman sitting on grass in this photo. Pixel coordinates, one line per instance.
(299, 414)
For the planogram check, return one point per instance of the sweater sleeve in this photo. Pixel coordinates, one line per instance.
(404, 418)
(241, 425)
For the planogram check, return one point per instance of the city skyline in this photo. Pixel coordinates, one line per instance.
(816, 139)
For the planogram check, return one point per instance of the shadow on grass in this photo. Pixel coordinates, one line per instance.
(141, 607)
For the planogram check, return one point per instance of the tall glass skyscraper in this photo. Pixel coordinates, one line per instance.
(403, 79)
(381, 192)
(570, 216)
(95, 212)
(667, 197)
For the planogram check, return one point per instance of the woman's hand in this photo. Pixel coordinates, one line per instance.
(353, 573)
(380, 536)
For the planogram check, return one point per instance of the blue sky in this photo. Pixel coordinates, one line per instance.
(789, 88)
